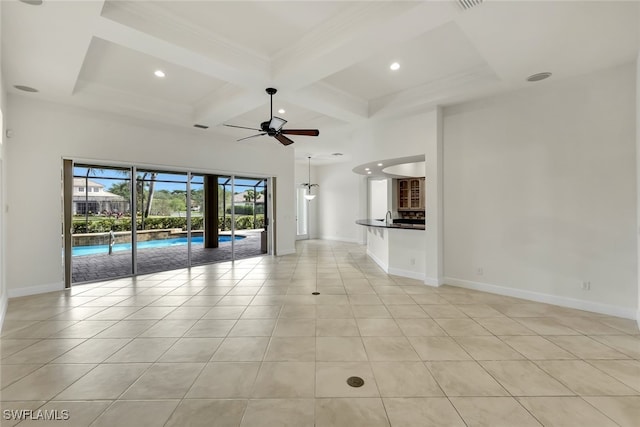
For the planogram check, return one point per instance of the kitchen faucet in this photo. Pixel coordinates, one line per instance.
(388, 216)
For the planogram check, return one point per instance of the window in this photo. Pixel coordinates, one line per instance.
(180, 219)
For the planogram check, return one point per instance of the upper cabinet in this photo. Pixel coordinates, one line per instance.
(411, 194)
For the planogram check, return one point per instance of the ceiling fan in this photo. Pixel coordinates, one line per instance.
(273, 126)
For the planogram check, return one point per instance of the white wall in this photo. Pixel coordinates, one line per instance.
(378, 198)
(378, 245)
(638, 179)
(45, 133)
(540, 189)
(3, 234)
(407, 253)
(341, 201)
(342, 197)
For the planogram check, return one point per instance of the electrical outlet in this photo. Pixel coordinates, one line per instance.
(479, 271)
(586, 285)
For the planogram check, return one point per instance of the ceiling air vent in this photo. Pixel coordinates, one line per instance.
(538, 77)
(201, 126)
(468, 4)
(25, 88)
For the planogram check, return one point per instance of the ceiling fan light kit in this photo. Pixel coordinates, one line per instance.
(276, 123)
(273, 126)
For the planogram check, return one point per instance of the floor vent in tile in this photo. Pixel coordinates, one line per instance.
(355, 381)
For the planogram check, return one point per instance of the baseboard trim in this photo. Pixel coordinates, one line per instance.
(432, 281)
(406, 273)
(33, 290)
(341, 239)
(595, 307)
(375, 259)
(395, 271)
(3, 308)
(286, 252)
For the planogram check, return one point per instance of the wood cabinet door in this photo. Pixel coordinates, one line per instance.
(403, 194)
(415, 200)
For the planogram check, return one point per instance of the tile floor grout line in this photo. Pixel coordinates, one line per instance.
(328, 268)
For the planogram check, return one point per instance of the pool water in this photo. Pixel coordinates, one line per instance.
(180, 241)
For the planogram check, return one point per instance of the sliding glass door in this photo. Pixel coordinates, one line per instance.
(250, 219)
(101, 232)
(214, 229)
(162, 214)
(130, 221)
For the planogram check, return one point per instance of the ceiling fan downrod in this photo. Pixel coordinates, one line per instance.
(271, 91)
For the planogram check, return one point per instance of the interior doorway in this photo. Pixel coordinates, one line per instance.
(302, 215)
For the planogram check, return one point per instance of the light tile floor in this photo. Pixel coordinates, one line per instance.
(246, 344)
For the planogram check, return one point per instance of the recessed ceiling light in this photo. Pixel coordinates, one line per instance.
(538, 77)
(367, 169)
(395, 66)
(25, 88)
(32, 2)
(369, 173)
(159, 73)
(281, 111)
(379, 164)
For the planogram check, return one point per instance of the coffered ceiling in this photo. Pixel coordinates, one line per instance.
(329, 60)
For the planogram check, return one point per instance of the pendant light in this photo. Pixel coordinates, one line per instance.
(309, 196)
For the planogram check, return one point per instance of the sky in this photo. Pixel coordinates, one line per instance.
(164, 181)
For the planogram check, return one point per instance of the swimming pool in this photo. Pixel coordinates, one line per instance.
(180, 241)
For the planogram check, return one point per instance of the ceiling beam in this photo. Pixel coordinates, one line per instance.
(325, 99)
(243, 69)
(226, 103)
(361, 31)
(435, 92)
(105, 98)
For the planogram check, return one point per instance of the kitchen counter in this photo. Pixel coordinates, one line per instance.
(383, 224)
(397, 248)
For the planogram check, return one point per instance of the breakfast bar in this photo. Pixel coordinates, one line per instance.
(399, 248)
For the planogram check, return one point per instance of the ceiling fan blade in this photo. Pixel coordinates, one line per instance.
(252, 136)
(241, 127)
(305, 132)
(283, 139)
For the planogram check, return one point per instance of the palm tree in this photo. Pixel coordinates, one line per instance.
(249, 195)
(146, 209)
(152, 185)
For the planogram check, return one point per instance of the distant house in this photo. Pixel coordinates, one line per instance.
(91, 197)
(244, 199)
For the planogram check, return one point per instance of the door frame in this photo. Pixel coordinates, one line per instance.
(67, 210)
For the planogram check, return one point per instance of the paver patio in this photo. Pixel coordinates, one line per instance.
(88, 268)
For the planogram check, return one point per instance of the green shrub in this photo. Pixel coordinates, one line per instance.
(244, 222)
(104, 225)
(241, 209)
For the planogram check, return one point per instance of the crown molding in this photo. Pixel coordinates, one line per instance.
(104, 98)
(220, 59)
(154, 14)
(434, 92)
